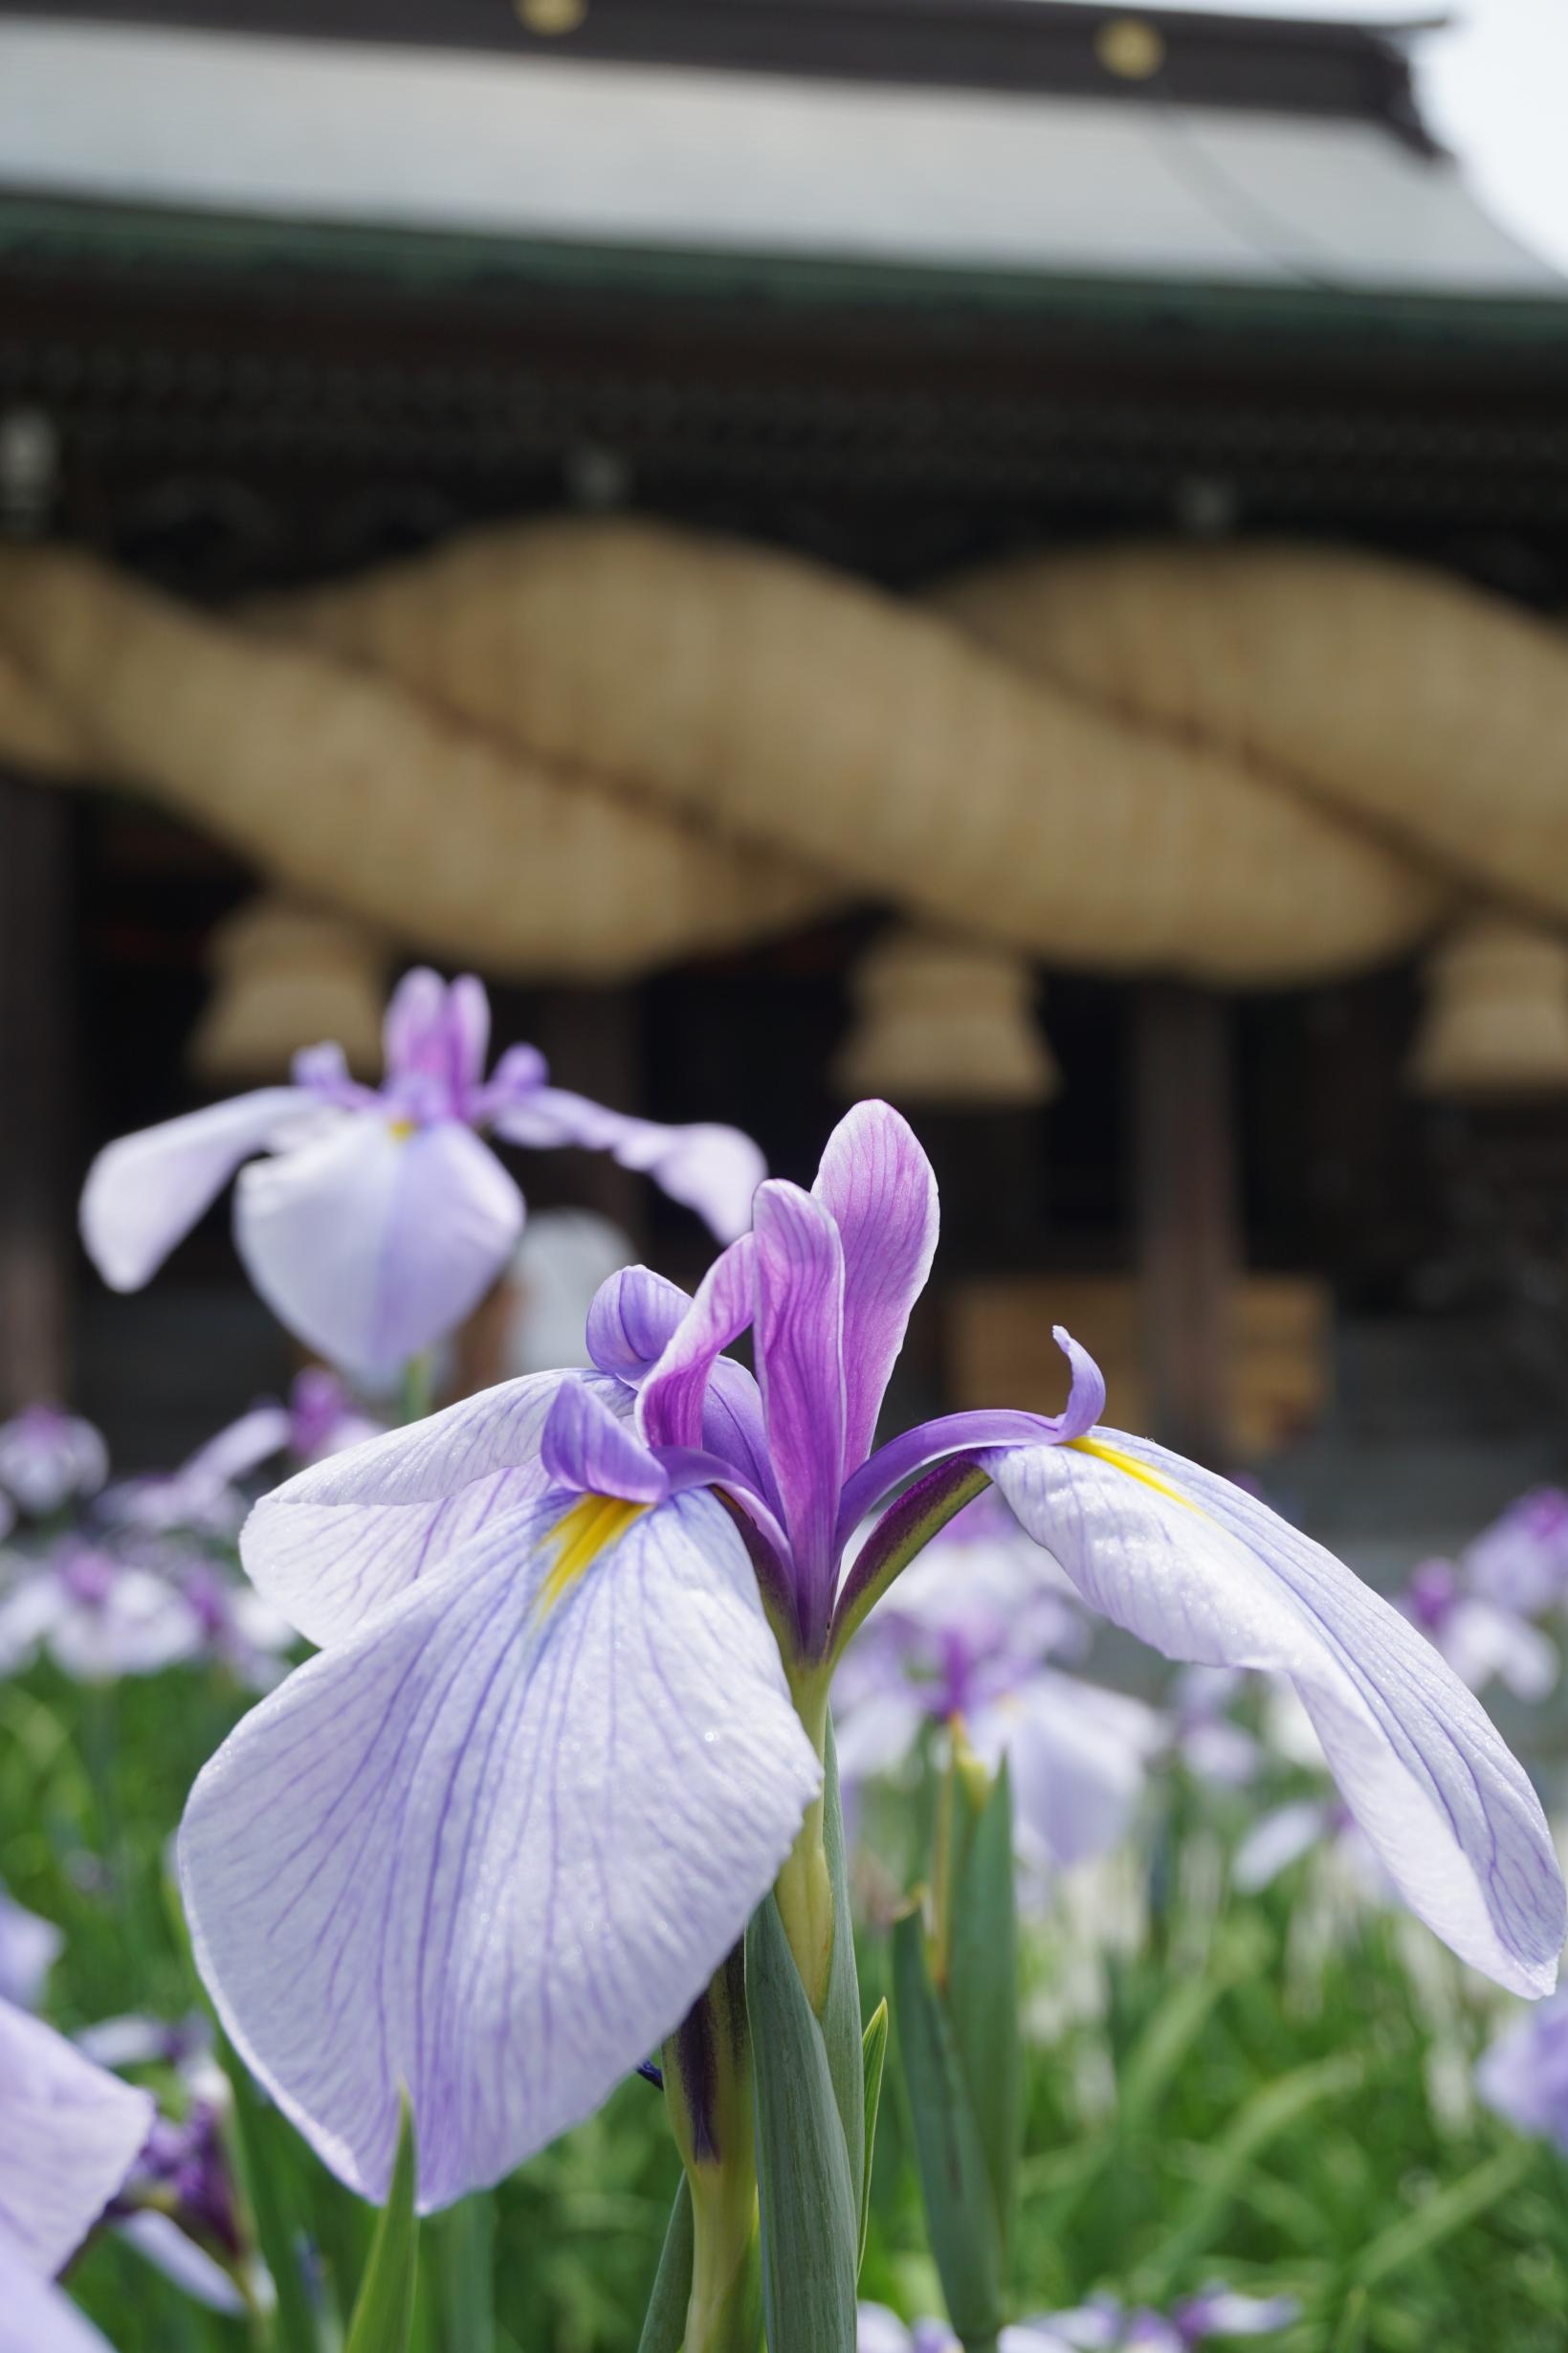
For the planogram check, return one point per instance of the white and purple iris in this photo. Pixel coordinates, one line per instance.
(50, 1458)
(1524, 2074)
(968, 1638)
(577, 1633)
(1483, 1640)
(380, 1217)
(1102, 2325)
(69, 2137)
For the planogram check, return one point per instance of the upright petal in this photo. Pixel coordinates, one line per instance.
(714, 1170)
(672, 1396)
(495, 1845)
(1207, 1573)
(69, 2135)
(634, 1317)
(878, 1187)
(800, 1370)
(373, 1244)
(145, 1191)
(339, 1542)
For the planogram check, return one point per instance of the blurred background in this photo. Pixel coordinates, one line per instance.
(1021, 557)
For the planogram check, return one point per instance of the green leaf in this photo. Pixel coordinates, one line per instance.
(955, 2178)
(873, 2056)
(1449, 2211)
(466, 2266)
(264, 2174)
(982, 1989)
(841, 2028)
(810, 2215)
(384, 2312)
(664, 2325)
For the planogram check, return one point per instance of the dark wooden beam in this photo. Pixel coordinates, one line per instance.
(35, 1086)
(1189, 1241)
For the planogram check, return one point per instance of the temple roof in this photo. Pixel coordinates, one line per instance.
(970, 136)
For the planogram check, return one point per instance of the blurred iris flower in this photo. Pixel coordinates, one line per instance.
(1521, 1561)
(97, 1615)
(380, 1217)
(69, 2136)
(1524, 2074)
(49, 1459)
(568, 1716)
(29, 1949)
(1100, 2327)
(966, 1639)
(319, 1420)
(1483, 1640)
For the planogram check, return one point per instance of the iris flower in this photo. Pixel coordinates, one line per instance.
(380, 1217)
(49, 1458)
(69, 2136)
(1524, 2074)
(577, 1634)
(98, 1615)
(966, 1639)
(1482, 1640)
(319, 1420)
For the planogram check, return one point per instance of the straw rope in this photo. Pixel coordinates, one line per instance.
(588, 748)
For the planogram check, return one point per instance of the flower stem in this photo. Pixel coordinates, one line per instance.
(418, 1386)
(708, 2092)
(804, 1886)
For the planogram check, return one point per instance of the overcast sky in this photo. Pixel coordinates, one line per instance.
(1493, 86)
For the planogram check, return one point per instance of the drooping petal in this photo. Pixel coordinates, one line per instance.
(1077, 1759)
(915, 1449)
(712, 1169)
(145, 1191)
(800, 1371)
(141, 1625)
(240, 1448)
(374, 1243)
(878, 1187)
(1524, 2074)
(36, 2316)
(1207, 1573)
(69, 2135)
(495, 1845)
(343, 1540)
(1482, 1644)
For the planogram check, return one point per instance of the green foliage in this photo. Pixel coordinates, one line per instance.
(811, 2226)
(1292, 2118)
(383, 2310)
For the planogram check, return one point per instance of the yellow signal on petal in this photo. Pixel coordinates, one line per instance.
(1134, 1469)
(580, 1538)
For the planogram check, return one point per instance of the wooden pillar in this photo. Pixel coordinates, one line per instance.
(36, 1251)
(1189, 1242)
(590, 1039)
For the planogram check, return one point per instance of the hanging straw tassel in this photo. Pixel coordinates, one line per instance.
(1496, 1018)
(946, 1023)
(288, 976)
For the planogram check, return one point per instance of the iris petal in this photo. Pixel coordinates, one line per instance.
(712, 1169)
(493, 1850)
(35, 2318)
(69, 2135)
(145, 1191)
(878, 1186)
(1207, 1573)
(800, 1370)
(371, 1245)
(339, 1542)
